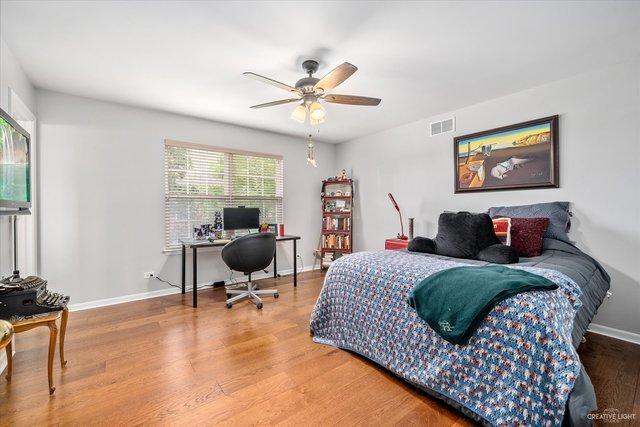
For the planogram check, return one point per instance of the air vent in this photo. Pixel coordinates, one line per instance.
(447, 125)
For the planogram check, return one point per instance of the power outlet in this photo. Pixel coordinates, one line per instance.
(148, 275)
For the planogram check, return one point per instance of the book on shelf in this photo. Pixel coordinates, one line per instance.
(335, 241)
(343, 224)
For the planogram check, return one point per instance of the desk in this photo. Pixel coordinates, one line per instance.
(194, 245)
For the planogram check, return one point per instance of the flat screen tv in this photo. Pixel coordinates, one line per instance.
(15, 188)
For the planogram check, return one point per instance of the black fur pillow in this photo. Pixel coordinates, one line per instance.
(422, 244)
(463, 234)
(466, 235)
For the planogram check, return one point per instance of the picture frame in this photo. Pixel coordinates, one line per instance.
(273, 228)
(515, 157)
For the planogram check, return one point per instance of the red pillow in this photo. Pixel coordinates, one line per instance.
(526, 235)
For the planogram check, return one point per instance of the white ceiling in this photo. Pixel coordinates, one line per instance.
(422, 59)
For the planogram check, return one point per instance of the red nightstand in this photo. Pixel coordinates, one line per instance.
(395, 244)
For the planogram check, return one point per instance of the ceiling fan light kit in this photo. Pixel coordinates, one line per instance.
(314, 122)
(316, 111)
(310, 90)
(299, 114)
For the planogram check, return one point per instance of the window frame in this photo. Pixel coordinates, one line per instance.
(228, 197)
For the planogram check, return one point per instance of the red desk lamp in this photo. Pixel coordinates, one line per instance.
(401, 236)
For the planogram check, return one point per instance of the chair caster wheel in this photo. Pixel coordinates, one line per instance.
(229, 305)
(276, 295)
(259, 306)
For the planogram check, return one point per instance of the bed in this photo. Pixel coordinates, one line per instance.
(520, 368)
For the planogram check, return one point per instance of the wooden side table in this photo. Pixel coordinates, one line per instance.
(48, 320)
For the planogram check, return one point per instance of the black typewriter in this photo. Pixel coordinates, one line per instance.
(23, 298)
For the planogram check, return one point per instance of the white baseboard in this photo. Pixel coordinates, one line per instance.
(615, 333)
(166, 291)
(125, 298)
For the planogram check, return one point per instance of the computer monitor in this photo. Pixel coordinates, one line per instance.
(240, 218)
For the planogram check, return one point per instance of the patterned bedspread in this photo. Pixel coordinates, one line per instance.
(518, 369)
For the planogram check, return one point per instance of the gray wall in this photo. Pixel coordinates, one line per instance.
(599, 173)
(102, 194)
(11, 76)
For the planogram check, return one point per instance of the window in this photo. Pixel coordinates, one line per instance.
(200, 180)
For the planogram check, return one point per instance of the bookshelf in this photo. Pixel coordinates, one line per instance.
(337, 220)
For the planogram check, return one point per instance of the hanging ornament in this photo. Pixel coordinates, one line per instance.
(311, 157)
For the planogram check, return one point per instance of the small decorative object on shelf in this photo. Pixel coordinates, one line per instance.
(217, 224)
(337, 218)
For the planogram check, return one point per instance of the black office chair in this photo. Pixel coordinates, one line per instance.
(248, 254)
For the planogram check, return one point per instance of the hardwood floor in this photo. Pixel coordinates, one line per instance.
(159, 361)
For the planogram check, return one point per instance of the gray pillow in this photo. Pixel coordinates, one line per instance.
(557, 212)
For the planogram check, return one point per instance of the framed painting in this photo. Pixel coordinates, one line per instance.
(520, 156)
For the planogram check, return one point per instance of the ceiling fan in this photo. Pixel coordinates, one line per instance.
(310, 90)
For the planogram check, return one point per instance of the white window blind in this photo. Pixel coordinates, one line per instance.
(200, 180)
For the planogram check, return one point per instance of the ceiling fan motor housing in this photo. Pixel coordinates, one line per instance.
(309, 98)
(306, 84)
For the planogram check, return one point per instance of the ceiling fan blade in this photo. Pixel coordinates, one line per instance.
(352, 100)
(270, 104)
(336, 76)
(271, 82)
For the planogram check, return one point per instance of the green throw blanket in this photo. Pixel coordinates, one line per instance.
(454, 302)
